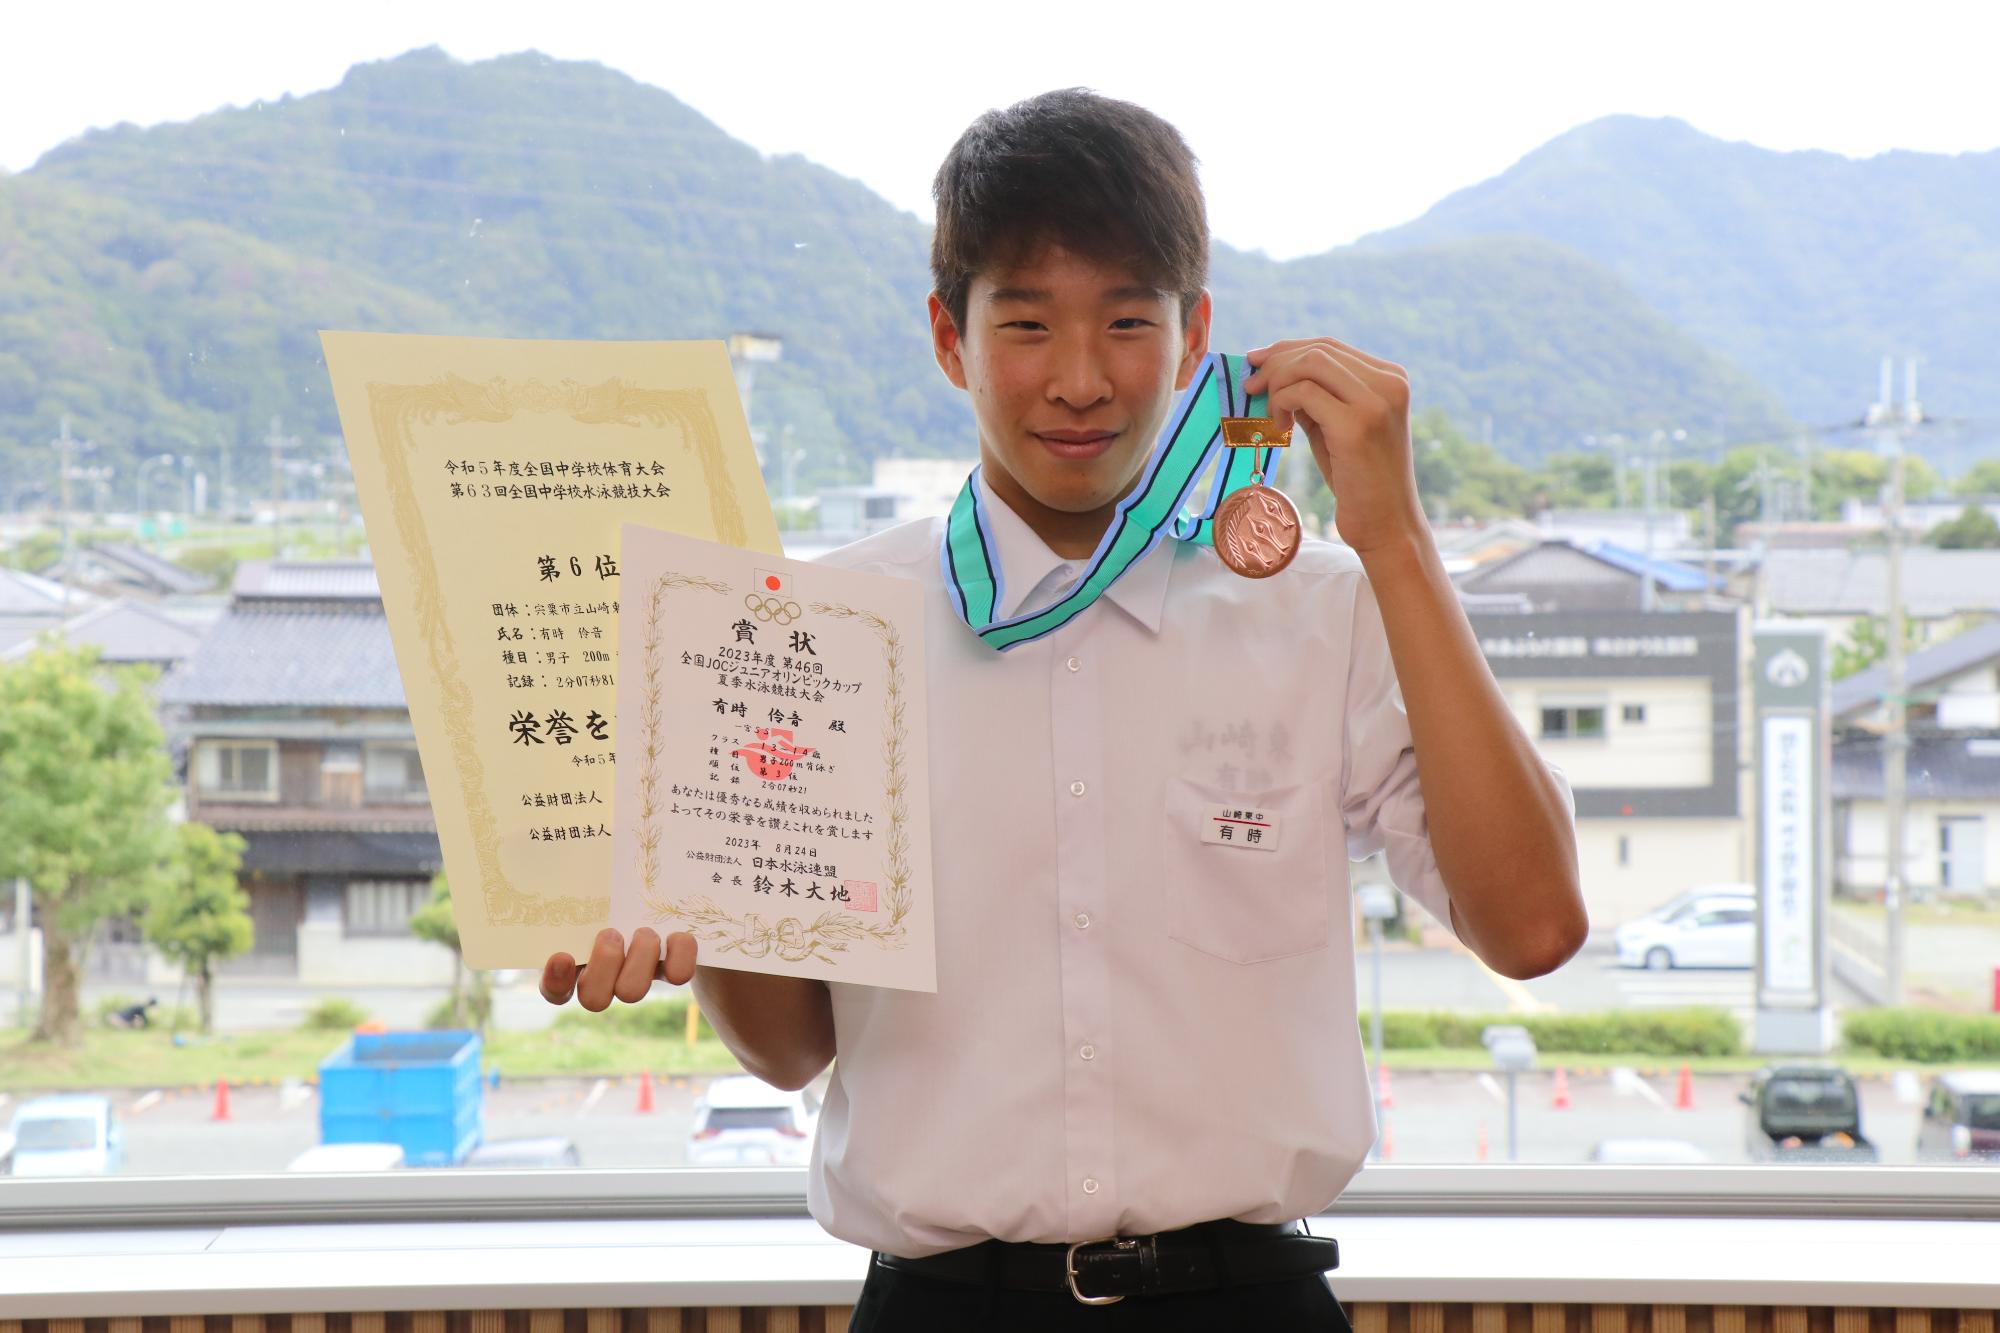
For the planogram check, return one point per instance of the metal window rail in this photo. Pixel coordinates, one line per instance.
(1949, 1192)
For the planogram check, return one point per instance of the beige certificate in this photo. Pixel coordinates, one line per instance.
(494, 475)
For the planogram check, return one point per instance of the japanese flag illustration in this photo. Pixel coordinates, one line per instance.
(773, 584)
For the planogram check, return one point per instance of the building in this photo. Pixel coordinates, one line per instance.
(31, 604)
(1942, 590)
(1642, 714)
(296, 736)
(900, 489)
(124, 632)
(1565, 576)
(1951, 822)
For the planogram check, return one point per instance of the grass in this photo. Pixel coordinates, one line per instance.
(1955, 913)
(114, 1059)
(1579, 1062)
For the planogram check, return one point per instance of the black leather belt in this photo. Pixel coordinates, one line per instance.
(1101, 1272)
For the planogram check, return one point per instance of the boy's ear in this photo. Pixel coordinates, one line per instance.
(945, 341)
(1194, 340)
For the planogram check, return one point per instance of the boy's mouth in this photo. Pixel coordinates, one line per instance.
(1076, 446)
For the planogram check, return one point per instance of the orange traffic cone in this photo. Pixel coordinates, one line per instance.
(1387, 1148)
(1482, 1140)
(645, 1094)
(1561, 1102)
(221, 1100)
(1684, 1096)
(1388, 1102)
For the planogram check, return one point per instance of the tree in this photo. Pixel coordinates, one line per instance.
(470, 1006)
(1859, 474)
(1982, 478)
(1973, 529)
(1460, 477)
(84, 788)
(199, 915)
(1868, 643)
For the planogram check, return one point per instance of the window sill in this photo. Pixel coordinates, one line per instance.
(1909, 1237)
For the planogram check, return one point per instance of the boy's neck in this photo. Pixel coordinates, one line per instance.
(1073, 536)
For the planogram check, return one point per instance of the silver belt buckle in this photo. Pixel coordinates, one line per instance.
(1069, 1266)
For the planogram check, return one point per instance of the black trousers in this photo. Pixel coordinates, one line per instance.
(899, 1302)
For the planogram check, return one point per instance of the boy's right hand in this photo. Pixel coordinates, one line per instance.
(614, 970)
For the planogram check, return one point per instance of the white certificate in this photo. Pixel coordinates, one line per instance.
(773, 788)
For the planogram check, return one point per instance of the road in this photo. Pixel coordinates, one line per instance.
(1436, 1117)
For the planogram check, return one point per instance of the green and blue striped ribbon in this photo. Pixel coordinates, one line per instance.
(1155, 509)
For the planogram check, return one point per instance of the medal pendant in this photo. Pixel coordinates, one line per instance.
(1257, 531)
(1256, 528)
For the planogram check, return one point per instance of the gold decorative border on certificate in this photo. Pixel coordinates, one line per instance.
(794, 940)
(456, 400)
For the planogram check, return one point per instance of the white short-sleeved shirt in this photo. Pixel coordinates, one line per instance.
(1137, 1025)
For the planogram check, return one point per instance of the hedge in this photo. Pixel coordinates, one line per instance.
(1684, 1032)
(1922, 1035)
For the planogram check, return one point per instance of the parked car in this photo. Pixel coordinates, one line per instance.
(509, 1154)
(1961, 1121)
(1805, 1113)
(744, 1121)
(342, 1157)
(1646, 1152)
(1715, 928)
(72, 1135)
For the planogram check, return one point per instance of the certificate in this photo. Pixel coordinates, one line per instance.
(773, 780)
(494, 476)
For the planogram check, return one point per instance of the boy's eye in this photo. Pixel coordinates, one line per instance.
(1021, 324)
(1131, 322)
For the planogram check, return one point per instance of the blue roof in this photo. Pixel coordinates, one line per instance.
(1669, 574)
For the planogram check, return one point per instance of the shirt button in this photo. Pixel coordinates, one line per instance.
(1088, 1052)
(1074, 664)
(1090, 1184)
(1082, 920)
(1076, 789)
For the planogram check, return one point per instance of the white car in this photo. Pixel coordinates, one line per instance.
(744, 1121)
(72, 1135)
(1715, 929)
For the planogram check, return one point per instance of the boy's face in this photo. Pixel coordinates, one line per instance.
(1072, 365)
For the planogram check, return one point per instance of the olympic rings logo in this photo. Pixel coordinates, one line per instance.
(772, 610)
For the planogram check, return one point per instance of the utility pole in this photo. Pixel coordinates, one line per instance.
(1893, 427)
(278, 441)
(64, 445)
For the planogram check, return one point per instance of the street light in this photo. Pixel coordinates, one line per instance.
(139, 488)
(1513, 1050)
(1378, 904)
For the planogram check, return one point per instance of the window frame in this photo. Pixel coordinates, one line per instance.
(420, 892)
(398, 796)
(214, 796)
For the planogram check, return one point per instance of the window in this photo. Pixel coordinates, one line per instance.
(1573, 722)
(1634, 713)
(237, 770)
(383, 907)
(395, 773)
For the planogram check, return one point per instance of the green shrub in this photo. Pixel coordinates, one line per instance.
(1923, 1035)
(1663, 1032)
(335, 1013)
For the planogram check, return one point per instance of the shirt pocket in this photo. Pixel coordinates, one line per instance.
(1243, 903)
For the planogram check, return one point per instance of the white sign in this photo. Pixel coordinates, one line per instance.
(1790, 874)
(773, 775)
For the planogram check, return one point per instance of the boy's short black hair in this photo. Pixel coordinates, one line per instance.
(1100, 177)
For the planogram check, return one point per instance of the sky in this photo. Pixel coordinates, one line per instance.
(1316, 123)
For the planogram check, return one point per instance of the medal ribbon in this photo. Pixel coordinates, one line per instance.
(1156, 508)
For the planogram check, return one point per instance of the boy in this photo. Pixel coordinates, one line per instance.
(1142, 1064)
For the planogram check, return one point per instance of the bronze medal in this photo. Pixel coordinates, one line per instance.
(1256, 528)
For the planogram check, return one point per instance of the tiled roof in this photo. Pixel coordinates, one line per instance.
(164, 574)
(268, 656)
(306, 580)
(31, 595)
(1961, 652)
(347, 852)
(125, 631)
(1853, 583)
(1939, 768)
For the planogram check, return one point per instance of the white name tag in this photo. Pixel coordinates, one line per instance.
(1240, 826)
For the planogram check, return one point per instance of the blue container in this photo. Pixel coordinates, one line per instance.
(418, 1089)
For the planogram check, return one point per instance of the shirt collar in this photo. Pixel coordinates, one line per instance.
(1025, 560)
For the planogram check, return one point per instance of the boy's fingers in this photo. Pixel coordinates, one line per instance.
(593, 992)
(678, 966)
(642, 960)
(559, 978)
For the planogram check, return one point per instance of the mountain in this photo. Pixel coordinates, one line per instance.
(1803, 268)
(530, 197)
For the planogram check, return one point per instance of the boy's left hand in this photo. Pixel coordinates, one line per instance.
(1355, 409)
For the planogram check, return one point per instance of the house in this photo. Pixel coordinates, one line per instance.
(1597, 576)
(115, 569)
(1641, 713)
(297, 737)
(1941, 589)
(124, 632)
(30, 604)
(1951, 823)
